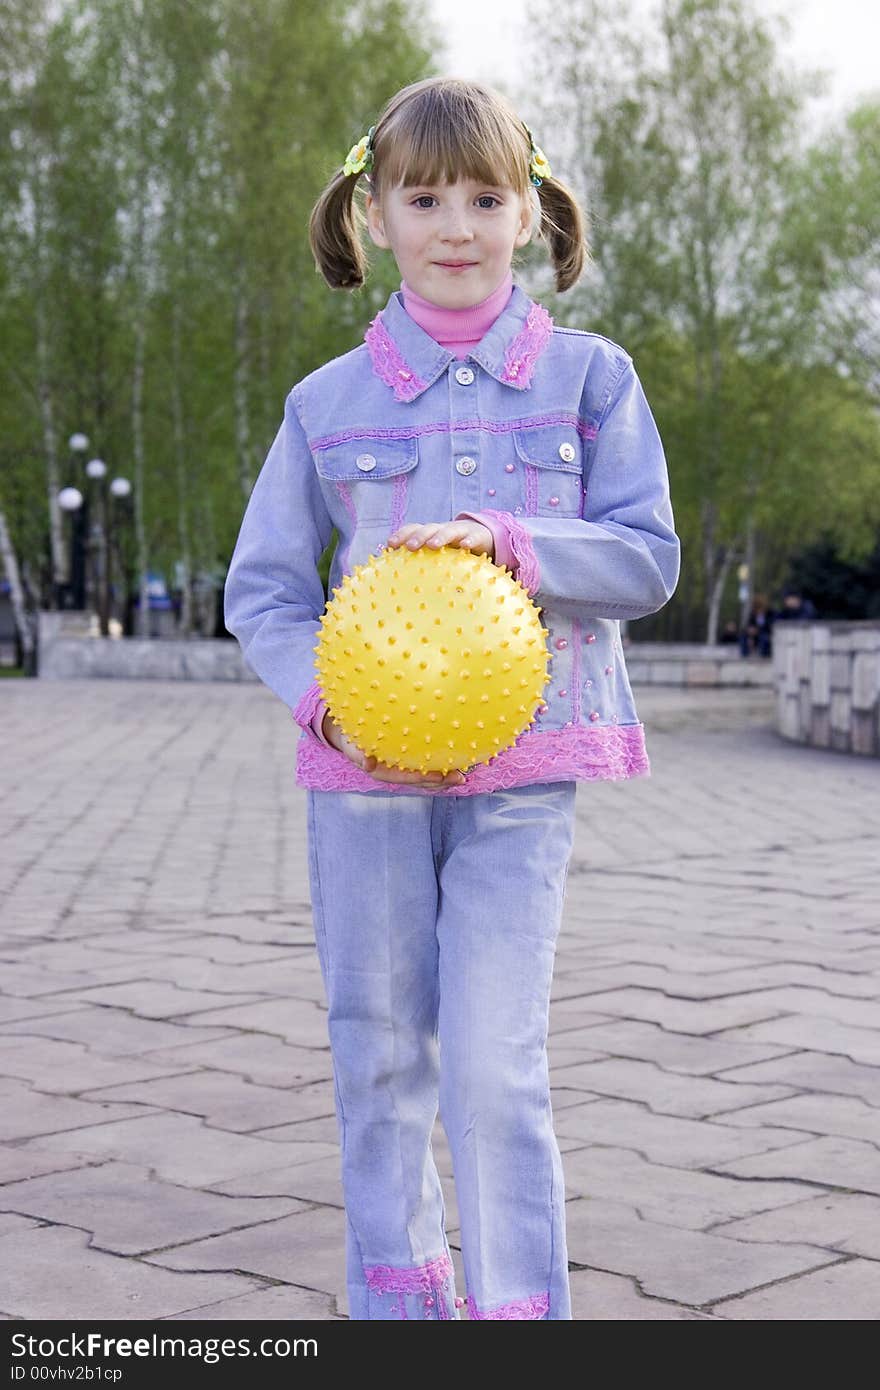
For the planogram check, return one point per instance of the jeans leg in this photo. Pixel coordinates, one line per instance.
(502, 885)
(374, 902)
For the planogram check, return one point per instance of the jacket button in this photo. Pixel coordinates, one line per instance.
(365, 462)
(566, 452)
(464, 376)
(465, 465)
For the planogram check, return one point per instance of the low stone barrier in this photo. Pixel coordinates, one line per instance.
(827, 678)
(693, 664)
(69, 647)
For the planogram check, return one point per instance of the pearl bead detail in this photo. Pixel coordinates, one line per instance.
(615, 719)
(590, 637)
(554, 501)
(561, 644)
(588, 684)
(459, 1302)
(491, 492)
(508, 467)
(608, 670)
(429, 1302)
(594, 715)
(562, 692)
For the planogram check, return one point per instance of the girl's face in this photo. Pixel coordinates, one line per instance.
(453, 242)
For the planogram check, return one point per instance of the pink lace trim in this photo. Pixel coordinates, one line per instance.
(575, 753)
(576, 670)
(561, 417)
(528, 570)
(430, 1278)
(531, 490)
(537, 1306)
(345, 494)
(398, 501)
(527, 346)
(388, 364)
(307, 708)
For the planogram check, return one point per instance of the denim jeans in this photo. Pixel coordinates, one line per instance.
(436, 921)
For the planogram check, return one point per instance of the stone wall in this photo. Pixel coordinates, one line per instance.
(827, 678)
(69, 648)
(693, 664)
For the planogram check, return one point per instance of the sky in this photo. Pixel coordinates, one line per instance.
(486, 41)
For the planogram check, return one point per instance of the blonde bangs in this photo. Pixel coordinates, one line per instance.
(446, 131)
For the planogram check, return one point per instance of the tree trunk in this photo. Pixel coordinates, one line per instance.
(242, 383)
(179, 433)
(59, 552)
(22, 621)
(717, 594)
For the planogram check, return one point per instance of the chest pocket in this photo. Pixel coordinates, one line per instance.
(552, 455)
(372, 473)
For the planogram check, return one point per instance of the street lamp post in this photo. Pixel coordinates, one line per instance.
(98, 587)
(120, 489)
(91, 548)
(69, 590)
(70, 500)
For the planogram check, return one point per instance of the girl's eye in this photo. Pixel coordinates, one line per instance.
(422, 198)
(488, 197)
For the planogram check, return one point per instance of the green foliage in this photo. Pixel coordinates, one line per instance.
(158, 168)
(739, 267)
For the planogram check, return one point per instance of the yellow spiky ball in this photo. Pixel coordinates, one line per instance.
(431, 660)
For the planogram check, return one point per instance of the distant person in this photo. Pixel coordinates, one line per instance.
(729, 634)
(755, 639)
(795, 608)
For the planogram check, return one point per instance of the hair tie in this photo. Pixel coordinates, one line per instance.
(360, 156)
(539, 169)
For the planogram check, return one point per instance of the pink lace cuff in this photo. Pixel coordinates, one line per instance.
(502, 552)
(317, 721)
(519, 541)
(310, 708)
(537, 1305)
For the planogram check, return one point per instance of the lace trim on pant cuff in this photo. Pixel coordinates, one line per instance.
(430, 1279)
(536, 1306)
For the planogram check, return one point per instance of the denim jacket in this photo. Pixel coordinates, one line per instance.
(541, 433)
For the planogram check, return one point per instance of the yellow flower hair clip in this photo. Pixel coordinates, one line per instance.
(360, 156)
(539, 168)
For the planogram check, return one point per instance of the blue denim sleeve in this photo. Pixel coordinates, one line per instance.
(273, 597)
(622, 559)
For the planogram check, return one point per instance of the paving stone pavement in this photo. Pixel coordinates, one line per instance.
(169, 1144)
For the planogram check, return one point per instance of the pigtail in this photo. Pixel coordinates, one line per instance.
(335, 234)
(564, 228)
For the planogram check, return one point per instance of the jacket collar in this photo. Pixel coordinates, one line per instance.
(409, 360)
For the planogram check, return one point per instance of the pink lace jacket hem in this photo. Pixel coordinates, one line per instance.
(610, 752)
(536, 1306)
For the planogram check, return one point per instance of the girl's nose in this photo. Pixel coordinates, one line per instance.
(457, 229)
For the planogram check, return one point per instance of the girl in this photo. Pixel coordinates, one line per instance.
(465, 419)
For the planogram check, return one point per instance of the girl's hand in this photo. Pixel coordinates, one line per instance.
(382, 772)
(466, 534)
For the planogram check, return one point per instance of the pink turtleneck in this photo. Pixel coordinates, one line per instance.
(458, 329)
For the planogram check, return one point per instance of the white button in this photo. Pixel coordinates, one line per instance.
(566, 452)
(466, 465)
(464, 376)
(365, 462)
